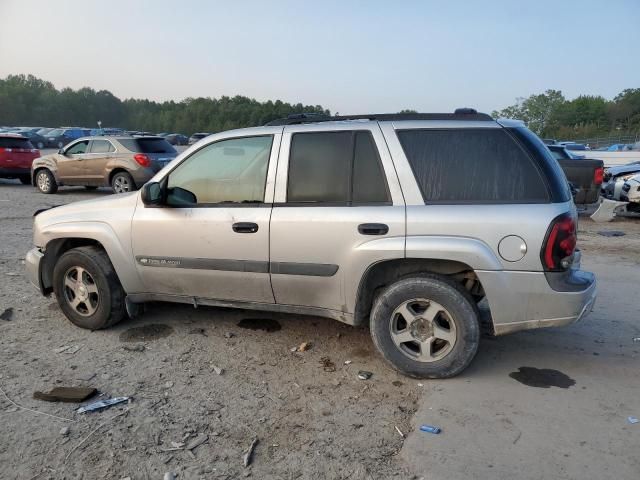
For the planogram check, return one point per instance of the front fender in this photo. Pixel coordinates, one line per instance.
(118, 249)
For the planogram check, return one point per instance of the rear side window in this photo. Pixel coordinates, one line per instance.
(7, 142)
(336, 167)
(147, 145)
(472, 166)
(102, 146)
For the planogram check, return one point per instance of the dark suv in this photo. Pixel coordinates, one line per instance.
(59, 137)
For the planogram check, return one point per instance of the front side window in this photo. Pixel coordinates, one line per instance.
(102, 146)
(78, 148)
(336, 167)
(472, 166)
(229, 171)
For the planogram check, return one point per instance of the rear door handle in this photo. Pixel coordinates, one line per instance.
(373, 229)
(245, 227)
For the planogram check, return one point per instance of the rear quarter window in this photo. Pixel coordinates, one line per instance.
(472, 166)
(6, 142)
(147, 145)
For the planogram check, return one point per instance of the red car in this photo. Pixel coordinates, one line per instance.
(16, 155)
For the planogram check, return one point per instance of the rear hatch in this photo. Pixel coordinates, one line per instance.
(17, 152)
(156, 149)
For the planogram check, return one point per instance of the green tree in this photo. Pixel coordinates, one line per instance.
(537, 111)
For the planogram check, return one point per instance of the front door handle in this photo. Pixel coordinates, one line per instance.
(245, 227)
(373, 229)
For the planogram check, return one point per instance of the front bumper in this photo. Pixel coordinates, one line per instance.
(526, 300)
(32, 262)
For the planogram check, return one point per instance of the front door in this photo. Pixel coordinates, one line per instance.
(211, 238)
(70, 164)
(338, 209)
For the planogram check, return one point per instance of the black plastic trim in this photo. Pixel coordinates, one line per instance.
(306, 269)
(570, 281)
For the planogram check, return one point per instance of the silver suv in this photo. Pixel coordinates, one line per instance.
(401, 222)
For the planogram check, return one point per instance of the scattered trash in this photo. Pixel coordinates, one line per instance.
(267, 324)
(246, 459)
(421, 385)
(611, 233)
(168, 385)
(177, 444)
(217, 369)
(169, 476)
(636, 339)
(304, 346)
(196, 442)
(430, 429)
(64, 431)
(72, 350)
(348, 362)
(66, 394)
(327, 364)
(61, 349)
(12, 274)
(7, 314)
(633, 420)
(607, 210)
(95, 406)
(138, 347)
(363, 375)
(400, 432)
(229, 335)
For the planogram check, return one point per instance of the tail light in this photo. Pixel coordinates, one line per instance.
(6, 150)
(142, 159)
(559, 244)
(598, 176)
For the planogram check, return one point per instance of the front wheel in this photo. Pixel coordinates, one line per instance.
(46, 182)
(426, 327)
(87, 288)
(122, 182)
(40, 145)
(60, 144)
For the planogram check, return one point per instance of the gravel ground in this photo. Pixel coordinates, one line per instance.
(311, 414)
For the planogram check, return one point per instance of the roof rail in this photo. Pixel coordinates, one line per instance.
(459, 114)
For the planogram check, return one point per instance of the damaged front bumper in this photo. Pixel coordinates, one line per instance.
(33, 261)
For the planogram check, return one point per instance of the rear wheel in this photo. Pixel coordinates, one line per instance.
(87, 288)
(46, 182)
(122, 182)
(40, 145)
(426, 327)
(25, 179)
(60, 144)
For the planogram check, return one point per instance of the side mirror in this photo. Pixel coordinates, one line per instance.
(151, 193)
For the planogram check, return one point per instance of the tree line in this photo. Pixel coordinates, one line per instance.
(551, 115)
(30, 101)
(27, 100)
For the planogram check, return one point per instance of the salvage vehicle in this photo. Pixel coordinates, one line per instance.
(614, 178)
(16, 156)
(364, 219)
(196, 137)
(631, 193)
(584, 174)
(124, 163)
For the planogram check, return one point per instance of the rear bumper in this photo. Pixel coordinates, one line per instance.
(526, 300)
(32, 262)
(14, 171)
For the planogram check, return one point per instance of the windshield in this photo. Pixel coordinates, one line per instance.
(55, 133)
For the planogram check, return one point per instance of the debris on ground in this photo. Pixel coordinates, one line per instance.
(138, 347)
(399, 432)
(248, 456)
(169, 476)
(611, 233)
(636, 339)
(218, 370)
(327, 364)
(229, 335)
(198, 331)
(364, 375)
(196, 442)
(303, 347)
(168, 385)
(66, 394)
(397, 383)
(348, 362)
(633, 420)
(7, 314)
(430, 429)
(102, 404)
(607, 210)
(267, 324)
(64, 431)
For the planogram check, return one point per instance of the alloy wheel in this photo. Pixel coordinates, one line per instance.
(81, 291)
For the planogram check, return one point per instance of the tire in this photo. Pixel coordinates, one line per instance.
(90, 187)
(60, 145)
(39, 145)
(100, 294)
(45, 181)
(25, 179)
(440, 334)
(122, 182)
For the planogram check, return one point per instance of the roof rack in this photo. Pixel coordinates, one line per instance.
(468, 114)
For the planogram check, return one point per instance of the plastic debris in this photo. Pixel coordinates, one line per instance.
(248, 456)
(66, 394)
(430, 429)
(327, 364)
(64, 431)
(169, 476)
(399, 432)
(196, 442)
(304, 346)
(229, 335)
(7, 314)
(636, 339)
(92, 407)
(363, 375)
(633, 420)
(218, 370)
(347, 362)
(607, 210)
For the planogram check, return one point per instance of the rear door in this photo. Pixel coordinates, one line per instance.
(338, 208)
(70, 164)
(101, 151)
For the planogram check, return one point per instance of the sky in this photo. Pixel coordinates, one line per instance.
(349, 56)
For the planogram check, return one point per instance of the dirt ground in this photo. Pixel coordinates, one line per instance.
(312, 416)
